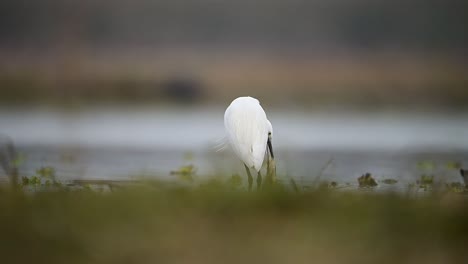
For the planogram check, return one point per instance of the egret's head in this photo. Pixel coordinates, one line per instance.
(270, 138)
(270, 129)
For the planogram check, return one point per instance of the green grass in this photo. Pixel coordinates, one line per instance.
(214, 223)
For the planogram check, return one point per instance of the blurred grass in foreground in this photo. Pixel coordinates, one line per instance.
(156, 223)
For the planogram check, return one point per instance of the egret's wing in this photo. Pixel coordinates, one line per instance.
(220, 144)
(260, 138)
(246, 130)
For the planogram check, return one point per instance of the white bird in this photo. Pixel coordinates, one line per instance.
(249, 133)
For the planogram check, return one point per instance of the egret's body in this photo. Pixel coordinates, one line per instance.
(249, 133)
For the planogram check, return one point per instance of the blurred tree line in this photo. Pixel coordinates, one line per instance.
(420, 25)
(367, 52)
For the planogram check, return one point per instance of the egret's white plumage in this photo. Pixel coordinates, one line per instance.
(247, 130)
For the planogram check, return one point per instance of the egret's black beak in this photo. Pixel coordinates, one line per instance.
(270, 148)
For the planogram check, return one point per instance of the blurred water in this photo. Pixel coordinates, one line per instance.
(119, 142)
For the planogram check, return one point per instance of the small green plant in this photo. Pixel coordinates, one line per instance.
(456, 187)
(389, 181)
(185, 173)
(453, 165)
(425, 181)
(45, 176)
(366, 180)
(46, 172)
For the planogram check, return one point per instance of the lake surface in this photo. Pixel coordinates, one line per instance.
(120, 143)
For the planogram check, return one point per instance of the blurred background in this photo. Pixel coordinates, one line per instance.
(112, 89)
(105, 94)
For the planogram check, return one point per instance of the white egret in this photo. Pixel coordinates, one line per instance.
(249, 133)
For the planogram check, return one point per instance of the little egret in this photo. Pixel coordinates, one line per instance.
(249, 133)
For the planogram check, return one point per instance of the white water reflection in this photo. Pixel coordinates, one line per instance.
(195, 129)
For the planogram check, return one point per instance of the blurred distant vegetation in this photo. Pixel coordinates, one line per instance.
(359, 52)
(300, 25)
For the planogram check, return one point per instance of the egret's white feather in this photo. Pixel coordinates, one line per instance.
(247, 130)
(220, 144)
